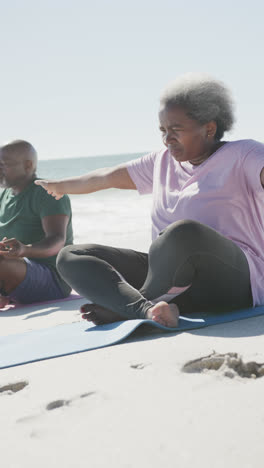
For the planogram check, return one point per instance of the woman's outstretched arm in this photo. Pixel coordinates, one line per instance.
(100, 179)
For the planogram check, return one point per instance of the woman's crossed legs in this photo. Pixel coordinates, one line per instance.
(122, 283)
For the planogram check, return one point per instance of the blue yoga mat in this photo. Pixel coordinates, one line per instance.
(78, 337)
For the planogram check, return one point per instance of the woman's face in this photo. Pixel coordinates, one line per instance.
(186, 139)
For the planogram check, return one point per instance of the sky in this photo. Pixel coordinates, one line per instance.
(83, 77)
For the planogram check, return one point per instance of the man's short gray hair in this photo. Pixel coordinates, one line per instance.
(203, 98)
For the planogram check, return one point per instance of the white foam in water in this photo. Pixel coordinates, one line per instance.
(120, 218)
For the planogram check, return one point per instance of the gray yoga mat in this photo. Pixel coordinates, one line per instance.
(78, 337)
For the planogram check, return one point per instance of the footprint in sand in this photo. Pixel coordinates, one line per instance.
(229, 364)
(59, 403)
(13, 387)
(139, 365)
(51, 406)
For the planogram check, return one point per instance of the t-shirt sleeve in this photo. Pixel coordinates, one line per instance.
(252, 165)
(48, 206)
(141, 171)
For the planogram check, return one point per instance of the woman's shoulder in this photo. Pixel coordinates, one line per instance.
(154, 158)
(246, 153)
(245, 145)
(158, 154)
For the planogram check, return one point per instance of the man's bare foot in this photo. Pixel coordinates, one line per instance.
(164, 314)
(99, 315)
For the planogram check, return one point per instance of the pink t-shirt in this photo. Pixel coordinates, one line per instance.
(224, 192)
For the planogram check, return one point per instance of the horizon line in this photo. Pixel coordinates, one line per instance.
(93, 156)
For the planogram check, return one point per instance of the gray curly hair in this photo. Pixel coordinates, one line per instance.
(203, 98)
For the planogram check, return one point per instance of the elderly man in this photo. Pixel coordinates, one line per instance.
(33, 229)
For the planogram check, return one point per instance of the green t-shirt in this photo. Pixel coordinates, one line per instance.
(21, 215)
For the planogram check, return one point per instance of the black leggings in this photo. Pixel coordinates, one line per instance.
(185, 253)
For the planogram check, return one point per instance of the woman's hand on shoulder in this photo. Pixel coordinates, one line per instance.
(51, 187)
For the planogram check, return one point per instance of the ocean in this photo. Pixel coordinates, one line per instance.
(120, 218)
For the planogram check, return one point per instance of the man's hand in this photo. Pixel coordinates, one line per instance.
(50, 187)
(12, 248)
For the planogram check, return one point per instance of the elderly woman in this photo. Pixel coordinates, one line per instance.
(208, 230)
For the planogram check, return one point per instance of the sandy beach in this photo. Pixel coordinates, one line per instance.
(131, 405)
(81, 81)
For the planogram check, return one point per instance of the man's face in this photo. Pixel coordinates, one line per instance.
(12, 170)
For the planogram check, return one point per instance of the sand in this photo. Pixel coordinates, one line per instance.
(131, 405)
